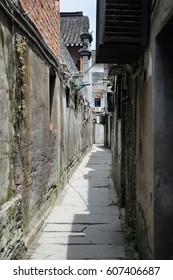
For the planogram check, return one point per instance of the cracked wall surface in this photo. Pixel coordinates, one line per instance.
(145, 167)
(33, 142)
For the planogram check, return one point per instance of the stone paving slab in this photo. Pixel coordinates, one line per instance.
(84, 222)
(66, 240)
(101, 210)
(80, 219)
(97, 236)
(91, 197)
(62, 234)
(90, 235)
(78, 252)
(63, 228)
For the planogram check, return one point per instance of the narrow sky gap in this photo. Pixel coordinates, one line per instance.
(87, 7)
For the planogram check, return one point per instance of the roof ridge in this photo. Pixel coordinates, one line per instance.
(71, 14)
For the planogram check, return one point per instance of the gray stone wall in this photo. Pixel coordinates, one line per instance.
(162, 95)
(144, 167)
(77, 129)
(42, 151)
(154, 165)
(40, 139)
(146, 138)
(6, 91)
(133, 164)
(12, 244)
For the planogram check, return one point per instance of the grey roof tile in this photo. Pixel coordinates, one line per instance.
(72, 25)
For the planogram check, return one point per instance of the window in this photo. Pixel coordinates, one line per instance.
(67, 97)
(97, 77)
(75, 102)
(119, 96)
(97, 102)
(52, 79)
(110, 101)
(78, 65)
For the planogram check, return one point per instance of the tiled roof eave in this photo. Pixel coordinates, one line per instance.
(73, 45)
(72, 27)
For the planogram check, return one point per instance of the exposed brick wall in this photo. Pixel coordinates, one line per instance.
(46, 17)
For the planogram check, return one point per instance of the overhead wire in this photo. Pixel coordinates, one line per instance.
(24, 13)
(39, 42)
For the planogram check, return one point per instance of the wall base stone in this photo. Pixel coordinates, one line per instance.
(11, 232)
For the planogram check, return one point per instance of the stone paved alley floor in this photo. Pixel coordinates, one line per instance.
(84, 222)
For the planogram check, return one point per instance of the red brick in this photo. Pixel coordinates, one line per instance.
(47, 20)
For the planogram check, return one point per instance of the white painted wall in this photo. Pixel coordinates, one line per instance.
(99, 133)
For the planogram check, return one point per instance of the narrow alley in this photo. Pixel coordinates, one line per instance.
(74, 73)
(84, 222)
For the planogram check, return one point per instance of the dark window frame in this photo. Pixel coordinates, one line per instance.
(67, 92)
(52, 81)
(97, 102)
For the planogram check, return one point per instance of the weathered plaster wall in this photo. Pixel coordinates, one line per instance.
(29, 148)
(144, 170)
(40, 139)
(77, 131)
(116, 153)
(99, 133)
(154, 169)
(6, 91)
(43, 142)
(148, 139)
(12, 244)
(133, 155)
(11, 229)
(163, 162)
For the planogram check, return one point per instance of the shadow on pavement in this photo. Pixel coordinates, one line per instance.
(96, 230)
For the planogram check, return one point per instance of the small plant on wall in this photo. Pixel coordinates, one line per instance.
(20, 85)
